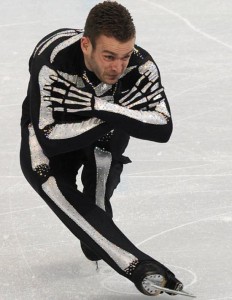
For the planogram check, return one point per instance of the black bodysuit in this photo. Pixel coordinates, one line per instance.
(71, 119)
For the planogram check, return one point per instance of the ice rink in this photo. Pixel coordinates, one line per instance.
(175, 199)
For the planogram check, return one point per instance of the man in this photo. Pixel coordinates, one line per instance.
(88, 92)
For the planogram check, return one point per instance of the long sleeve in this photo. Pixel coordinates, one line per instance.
(147, 125)
(143, 112)
(55, 132)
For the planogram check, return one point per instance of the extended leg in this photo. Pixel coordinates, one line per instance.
(87, 221)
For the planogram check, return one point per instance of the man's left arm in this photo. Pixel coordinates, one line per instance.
(144, 111)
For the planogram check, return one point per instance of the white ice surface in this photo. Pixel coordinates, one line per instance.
(174, 200)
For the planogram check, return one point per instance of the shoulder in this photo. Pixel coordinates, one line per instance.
(142, 58)
(140, 55)
(141, 63)
(54, 38)
(54, 42)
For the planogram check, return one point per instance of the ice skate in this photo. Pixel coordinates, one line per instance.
(152, 279)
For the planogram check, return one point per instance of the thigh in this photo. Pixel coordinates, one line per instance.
(113, 178)
(66, 166)
(103, 166)
(89, 173)
(84, 219)
(37, 167)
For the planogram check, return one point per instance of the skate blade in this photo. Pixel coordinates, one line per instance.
(175, 292)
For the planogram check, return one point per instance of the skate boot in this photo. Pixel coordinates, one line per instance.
(150, 275)
(173, 284)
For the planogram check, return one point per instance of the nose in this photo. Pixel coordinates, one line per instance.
(117, 66)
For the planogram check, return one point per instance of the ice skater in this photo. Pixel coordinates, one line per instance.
(89, 91)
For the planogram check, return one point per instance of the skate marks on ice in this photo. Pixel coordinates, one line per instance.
(221, 217)
(189, 24)
(118, 284)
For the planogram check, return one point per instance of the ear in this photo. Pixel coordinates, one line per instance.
(85, 44)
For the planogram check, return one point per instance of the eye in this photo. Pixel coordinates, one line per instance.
(109, 57)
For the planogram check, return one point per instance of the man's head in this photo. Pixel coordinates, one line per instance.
(108, 40)
(110, 19)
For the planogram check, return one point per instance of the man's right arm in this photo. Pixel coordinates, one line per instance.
(55, 132)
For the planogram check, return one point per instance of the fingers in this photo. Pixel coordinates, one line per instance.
(65, 93)
(129, 95)
(67, 85)
(53, 99)
(55, 79)
(49, 88)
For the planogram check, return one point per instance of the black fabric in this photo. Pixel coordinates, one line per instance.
(70, 61)
(68, 154)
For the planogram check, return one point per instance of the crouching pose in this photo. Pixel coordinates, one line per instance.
(89, 91)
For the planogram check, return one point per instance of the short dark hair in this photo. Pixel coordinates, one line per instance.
(110, 19)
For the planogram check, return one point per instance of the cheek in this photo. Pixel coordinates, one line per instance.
(124, 66)
(105, 67)
(126, 63)
(101, 65)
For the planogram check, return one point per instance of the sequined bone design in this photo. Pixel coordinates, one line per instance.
(147, 92)
(40, 164)
(145, 95)
(65, 92)
(51, 129)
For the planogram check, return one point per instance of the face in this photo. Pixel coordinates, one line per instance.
(109, 59)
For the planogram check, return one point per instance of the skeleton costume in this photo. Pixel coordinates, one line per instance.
(70, 119)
